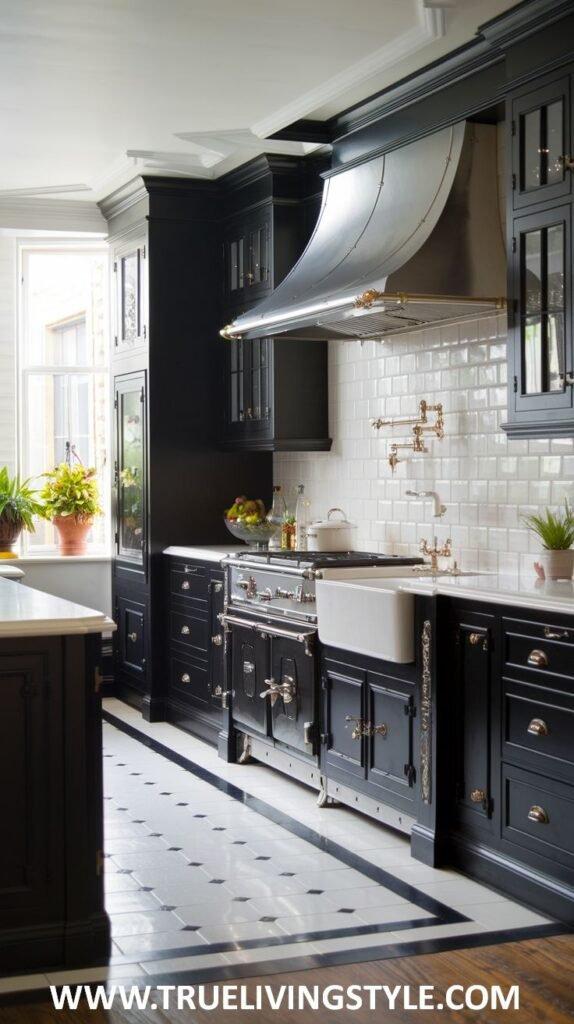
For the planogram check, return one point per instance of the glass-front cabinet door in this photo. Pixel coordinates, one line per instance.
(542, 268)
(541, 151)
(249, 381)
(130, 470)
(131, 289)
(247, 255)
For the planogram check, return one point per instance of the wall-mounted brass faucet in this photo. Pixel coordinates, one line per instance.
(419, 426)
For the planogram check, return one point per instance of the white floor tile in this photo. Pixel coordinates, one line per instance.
(142, 922)
(285, 906)
(274, 953)
(23, 983)
(502, 915)
(184, 963)
(207, 915)
(394, 912)
(154, 942)
(241, 931)
(458, 892)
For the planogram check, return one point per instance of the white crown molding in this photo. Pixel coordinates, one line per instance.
(431, 26)
(37, 214)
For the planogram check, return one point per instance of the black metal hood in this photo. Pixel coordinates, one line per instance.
(409, 238)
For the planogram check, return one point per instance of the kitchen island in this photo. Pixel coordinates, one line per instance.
(51, 885)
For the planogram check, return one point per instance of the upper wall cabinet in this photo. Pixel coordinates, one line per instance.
(276, 390)
(130, 299)
(541, 144)
(541, 352)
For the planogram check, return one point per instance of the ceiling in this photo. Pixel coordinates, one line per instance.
(94, 92)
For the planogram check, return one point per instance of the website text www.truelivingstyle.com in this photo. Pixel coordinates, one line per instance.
(233, 997)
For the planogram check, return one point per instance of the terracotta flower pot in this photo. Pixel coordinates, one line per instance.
(9, 533)
(72, 534)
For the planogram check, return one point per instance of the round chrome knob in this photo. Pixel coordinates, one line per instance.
(185, 585)
(186, 678)
(184, 630)
(217, 640)
(133, 637)
(478, 796)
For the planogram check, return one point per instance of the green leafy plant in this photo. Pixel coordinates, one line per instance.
(18, 502)
(556, 530)
(71, 491)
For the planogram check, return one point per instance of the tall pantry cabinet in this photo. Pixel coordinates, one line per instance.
(172, 480)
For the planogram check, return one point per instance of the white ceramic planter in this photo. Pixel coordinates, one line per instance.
(555, 565)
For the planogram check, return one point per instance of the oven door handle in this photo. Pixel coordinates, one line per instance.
(306, 638)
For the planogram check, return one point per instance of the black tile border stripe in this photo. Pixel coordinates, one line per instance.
(442, 913)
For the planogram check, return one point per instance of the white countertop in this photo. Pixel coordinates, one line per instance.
(210, 553)
(10, 572)
(28, 612)
(522, 592)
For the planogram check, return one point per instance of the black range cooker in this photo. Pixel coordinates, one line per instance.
(270, 623)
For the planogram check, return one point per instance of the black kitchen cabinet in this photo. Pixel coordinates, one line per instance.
(51, 860)
(541, 346)
(194, 598)
(368, 732)
(172, 478)
(506, 809)
(276, 391)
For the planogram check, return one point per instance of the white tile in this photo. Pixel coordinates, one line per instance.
(154, 942)
(240, 931)
(437, 932)
(261, 956)
(303, 923)
(299, 903)
(457, 893)
(386, 914)
(344, 878)
(205, 914)
(502, 915)
(373, 896)
(23, 983)
(142, 922)
(270, 885)
(130, 902)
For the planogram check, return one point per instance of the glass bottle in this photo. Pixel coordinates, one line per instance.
(302, 516)
(276, 516)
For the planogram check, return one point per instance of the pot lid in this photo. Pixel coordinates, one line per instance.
(331, 524)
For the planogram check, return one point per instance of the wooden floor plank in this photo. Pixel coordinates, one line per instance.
(541, 968)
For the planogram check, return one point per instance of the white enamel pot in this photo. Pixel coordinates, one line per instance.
(330, 534)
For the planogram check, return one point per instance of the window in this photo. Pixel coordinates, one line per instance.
(64, 382)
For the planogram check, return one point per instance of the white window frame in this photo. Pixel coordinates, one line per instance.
(24, 371)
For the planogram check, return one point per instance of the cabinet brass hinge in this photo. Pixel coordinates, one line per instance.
(515, 385)
(410, 774)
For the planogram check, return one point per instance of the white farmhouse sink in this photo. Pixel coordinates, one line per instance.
(373, 615)
(367, 616)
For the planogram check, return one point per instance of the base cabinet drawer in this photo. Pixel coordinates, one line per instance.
(190, 629)
(188, 680)
(539, 728)
(539, 815)
(190, 582)
(534, 646)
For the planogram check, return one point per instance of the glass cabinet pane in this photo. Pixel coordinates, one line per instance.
(131, 474)
(130, 297)
(542, 143)
(554, 142)
(542, 271)
(531, 150)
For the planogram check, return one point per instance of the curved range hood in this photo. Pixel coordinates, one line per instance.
(405, 239)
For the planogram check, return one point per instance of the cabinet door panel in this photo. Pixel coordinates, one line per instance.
(541, 140)
(131, 637)
(542, 329)
(188, 680)
(295, 669)
(190, 629)
(390, 758)
(474, 709)
(249, 670)
(345, 753)
(539, 815)
(31, 853)
(130, 517)
(538, 726)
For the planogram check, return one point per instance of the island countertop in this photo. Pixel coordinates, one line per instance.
(28, 612)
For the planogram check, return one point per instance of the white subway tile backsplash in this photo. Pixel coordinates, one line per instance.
(487, 481)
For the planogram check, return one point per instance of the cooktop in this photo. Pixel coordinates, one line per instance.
(322, 559)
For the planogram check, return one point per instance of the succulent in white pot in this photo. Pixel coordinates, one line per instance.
(556, 531)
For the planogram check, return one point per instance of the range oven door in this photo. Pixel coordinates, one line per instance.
(274, 682)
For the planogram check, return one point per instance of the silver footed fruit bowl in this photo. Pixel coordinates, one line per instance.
(258, 534)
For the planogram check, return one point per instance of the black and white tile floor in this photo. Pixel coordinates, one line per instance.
(219, 871)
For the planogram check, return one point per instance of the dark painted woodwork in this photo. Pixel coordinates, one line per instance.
(194, 598)
(190, 479)
(276, 391)
(510, 706)
(360, 695)
(51, 886)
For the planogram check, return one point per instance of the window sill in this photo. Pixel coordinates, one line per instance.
(55, 557)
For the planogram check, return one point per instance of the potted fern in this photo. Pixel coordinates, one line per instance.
(71, 501)
(556, 531)
(18, 506)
